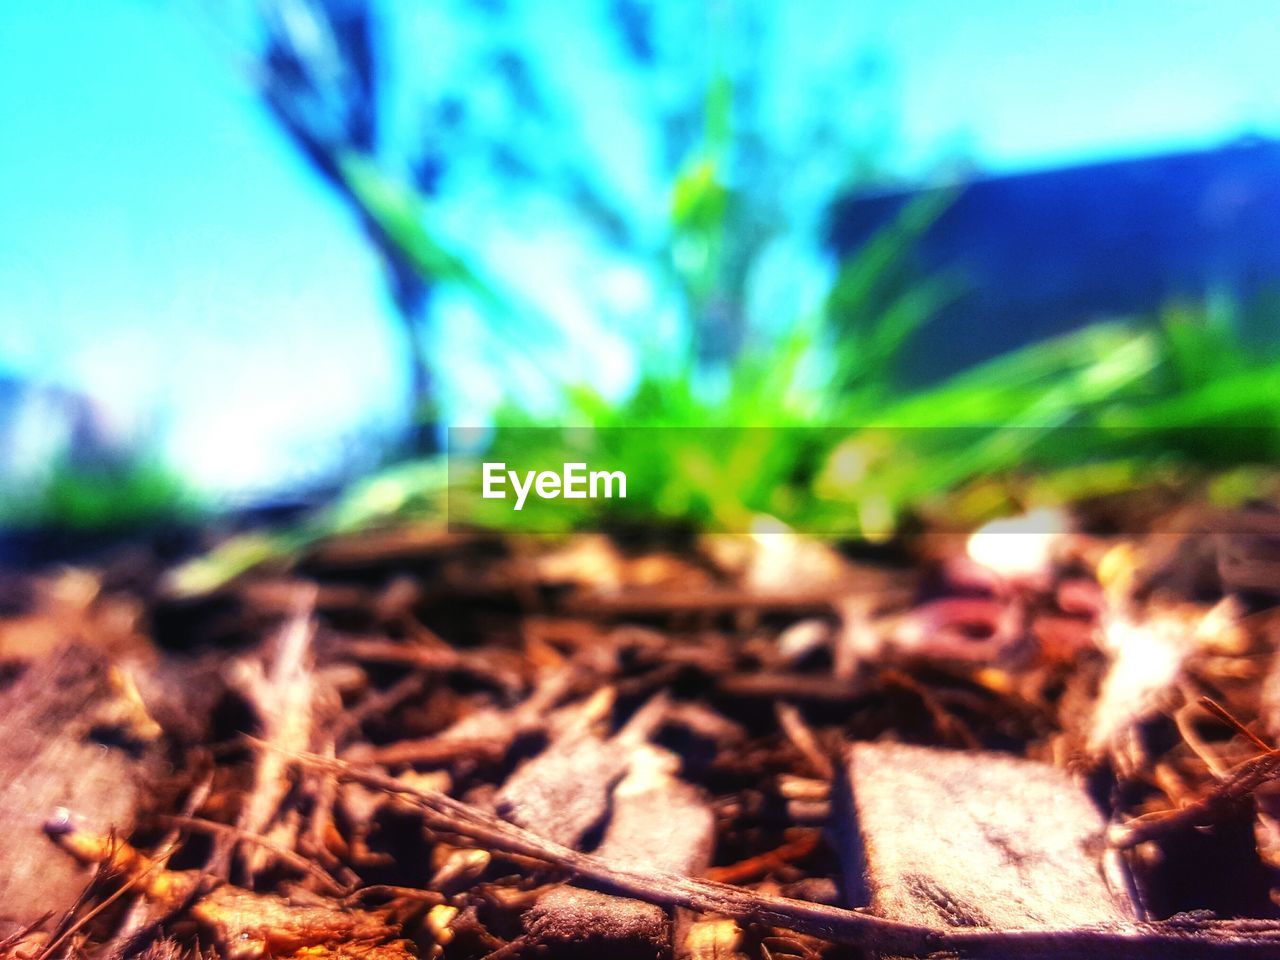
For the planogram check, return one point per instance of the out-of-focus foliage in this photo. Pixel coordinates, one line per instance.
(1093, 413)
(714, 211)
(1218, 400)
(704, 180)
(1110, 408)
(119, 494)
(413, 489)
(677, 168)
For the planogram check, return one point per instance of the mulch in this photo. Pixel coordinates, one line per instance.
(416, 744)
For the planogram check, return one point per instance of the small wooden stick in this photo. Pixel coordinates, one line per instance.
(757, 866)
(804, 739)
(294, 860)
(1188, 938)
(1235, 788)
(1223, 714)
(51, 948)
(512, 949)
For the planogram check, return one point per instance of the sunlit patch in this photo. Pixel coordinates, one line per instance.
(849, 465)
(852, 463)
(385, 496)
(1117, 570)
(876, 519)
(1146, 659)
(764, 526)
(781, 559)
(1019, 546)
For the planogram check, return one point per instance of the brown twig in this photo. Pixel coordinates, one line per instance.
(433, 659)
(9, 944)
(512, 949)
(52, 946)
(803, 687)
(1180, 938)
(804, 739)
(1223, 714)
(435, 751)
(758, 866)
(1237, 786)
(377, 704)
(297, 861)
(724, 599)
(432, 897)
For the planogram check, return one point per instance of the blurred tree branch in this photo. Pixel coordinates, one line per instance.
(480, 110)
(319, 76)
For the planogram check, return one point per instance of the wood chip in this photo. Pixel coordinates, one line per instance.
(947, 839)
(656, 822)
(64, 747)
(563, 792)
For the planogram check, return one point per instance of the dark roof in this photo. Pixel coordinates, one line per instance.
(1041, 253)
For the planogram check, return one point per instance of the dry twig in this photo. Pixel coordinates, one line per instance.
(1191, 938)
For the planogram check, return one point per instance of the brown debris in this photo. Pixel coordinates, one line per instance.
(244, 925)
(1181, 938)
(285, 697)
(654, 706)
(1236, 786)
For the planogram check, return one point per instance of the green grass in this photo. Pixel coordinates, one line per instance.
(116, 496)
(1107, 409)
(838, 445)
(834, 445)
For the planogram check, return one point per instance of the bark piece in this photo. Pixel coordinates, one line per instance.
(586, 924)
(563, 792)
(945, 839)
(67, 744)
(657, 822)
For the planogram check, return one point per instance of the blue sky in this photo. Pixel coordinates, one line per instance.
(164, 249)
(1041, 82)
